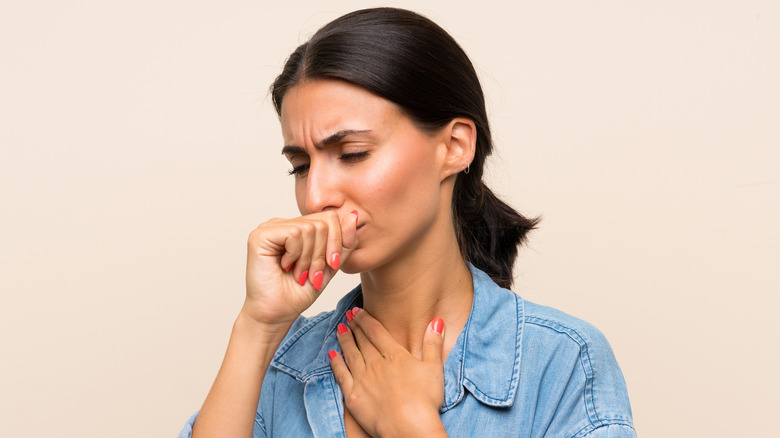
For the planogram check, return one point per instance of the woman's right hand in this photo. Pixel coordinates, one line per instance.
(290, 261)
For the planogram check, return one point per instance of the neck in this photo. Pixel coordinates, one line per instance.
(406, 295)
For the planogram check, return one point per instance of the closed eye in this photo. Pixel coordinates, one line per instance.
(299, 170)
(353, 156)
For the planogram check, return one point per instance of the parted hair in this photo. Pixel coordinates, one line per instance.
(409, 60)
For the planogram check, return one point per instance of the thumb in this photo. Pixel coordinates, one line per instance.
(433, 341)
(348, 234)
(348, 244)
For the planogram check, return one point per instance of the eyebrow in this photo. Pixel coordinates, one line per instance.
(333, 138)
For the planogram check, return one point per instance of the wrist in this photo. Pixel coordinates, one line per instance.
(262, 332)
(427, 424)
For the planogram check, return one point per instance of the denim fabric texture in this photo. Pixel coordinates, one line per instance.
(518, 369)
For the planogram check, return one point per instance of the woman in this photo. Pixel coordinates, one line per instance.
(384, 124)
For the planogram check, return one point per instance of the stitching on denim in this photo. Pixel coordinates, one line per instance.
(585, 363)
(460, 383)
(336, 398)
(515, 381)
(301, 331)
(520, 303)
(259, 421)
(277, 361)
(587, 430)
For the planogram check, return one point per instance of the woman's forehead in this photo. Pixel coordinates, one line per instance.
(315, 110)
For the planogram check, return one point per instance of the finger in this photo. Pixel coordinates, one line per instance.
(318, 248)
(374, 331)
(333, 252)
(340, 372)
(352, 354)
(348, 234)
(341, 241)
(301, 270)
(369, 349)
(292, 243)
(433, 341)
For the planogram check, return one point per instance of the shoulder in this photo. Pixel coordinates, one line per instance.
(553, 323)
(574, 363)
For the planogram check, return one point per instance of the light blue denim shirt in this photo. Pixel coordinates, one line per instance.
(517, 369)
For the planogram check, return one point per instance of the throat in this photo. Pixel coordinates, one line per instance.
(406, 304)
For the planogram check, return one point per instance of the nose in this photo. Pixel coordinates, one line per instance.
(323, 189)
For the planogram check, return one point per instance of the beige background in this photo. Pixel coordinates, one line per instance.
(138, 148)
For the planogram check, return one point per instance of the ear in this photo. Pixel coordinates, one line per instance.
(459, 138)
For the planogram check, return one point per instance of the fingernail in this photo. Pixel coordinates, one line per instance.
(316, 280)
(355, 311)
(288, 268)
(438, 325)
(342, 329)
(332, 354)
(302, 279)
(356, 215)
(349, 315)
(335, 259)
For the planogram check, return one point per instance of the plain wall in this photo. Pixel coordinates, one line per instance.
(138, 149)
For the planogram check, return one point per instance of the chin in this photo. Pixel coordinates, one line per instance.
(356, 264)
(352, 268)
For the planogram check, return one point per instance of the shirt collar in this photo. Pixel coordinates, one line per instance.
(485, 359)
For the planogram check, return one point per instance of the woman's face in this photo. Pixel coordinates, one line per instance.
(351, 150)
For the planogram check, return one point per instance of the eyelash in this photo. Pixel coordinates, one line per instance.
(349, 158)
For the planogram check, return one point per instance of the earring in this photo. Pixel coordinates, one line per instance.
(467, 169)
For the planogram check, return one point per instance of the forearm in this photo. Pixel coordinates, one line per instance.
(229, 409)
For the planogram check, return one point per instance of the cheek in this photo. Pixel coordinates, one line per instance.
(300, 194)
(404, 177)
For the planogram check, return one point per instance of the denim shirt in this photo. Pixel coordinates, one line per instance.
(517, 369)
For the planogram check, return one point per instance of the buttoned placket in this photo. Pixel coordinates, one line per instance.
(323, 400)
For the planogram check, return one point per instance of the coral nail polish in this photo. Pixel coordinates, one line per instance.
(438, 325)
(332, 354)
(335, 260)
(342, 329)
(355, 311)
(288, 268)
(316, 280)
(349, 315)
(302, 279)
(356, 216)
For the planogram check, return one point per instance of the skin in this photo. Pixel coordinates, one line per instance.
(374, 192)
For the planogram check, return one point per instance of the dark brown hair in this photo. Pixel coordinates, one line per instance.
(411, 61)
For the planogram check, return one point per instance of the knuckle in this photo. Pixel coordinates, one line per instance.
(354, 397)
(371, 331)
(319, 259)
(331, 214)
(321, 228)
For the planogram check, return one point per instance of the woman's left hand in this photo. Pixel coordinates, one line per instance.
(387, 390)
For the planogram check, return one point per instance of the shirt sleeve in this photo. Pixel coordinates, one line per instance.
(612, 431)
(186, 432)
(258, 432)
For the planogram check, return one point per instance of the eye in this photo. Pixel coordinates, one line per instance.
(353, 156)
(299, 170)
